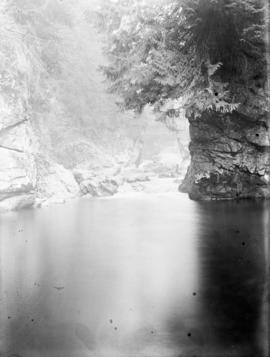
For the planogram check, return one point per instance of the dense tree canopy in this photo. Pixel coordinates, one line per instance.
(193, 54)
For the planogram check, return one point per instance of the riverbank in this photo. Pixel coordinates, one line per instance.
(52, 183)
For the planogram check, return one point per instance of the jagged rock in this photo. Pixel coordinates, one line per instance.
(19, 137)
(230, 158)
(97, 183)
(16, 173)
(108, 187)
(99, 187)
(17, 202)
(55, 184)
(28, 178)
(17, 165)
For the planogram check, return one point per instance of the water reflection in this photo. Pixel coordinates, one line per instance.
(233, 273)
(153, 276)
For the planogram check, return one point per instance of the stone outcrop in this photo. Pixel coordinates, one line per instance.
(96, 184)
(230, 157)
(55, 184)
(17, 165)
(27, 177)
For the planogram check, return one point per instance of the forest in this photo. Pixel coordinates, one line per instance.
(86, 86)
(210, 60)
(134, 178)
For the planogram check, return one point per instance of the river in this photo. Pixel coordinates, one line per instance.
(142, 276)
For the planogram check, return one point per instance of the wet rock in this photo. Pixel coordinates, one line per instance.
(230, 158)
(28, 177)
(99, 186)
(98, 183)
(17, 165)
(15, 203)
(108, 187)
(55, 184)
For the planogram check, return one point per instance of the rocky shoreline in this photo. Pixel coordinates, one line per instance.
(230, 158)
(29, 178)
(58, 185)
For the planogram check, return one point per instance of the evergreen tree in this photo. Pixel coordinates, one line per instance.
(200, 55)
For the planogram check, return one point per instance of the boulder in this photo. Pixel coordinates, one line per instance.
(17, 165)
(98, 187)
(230, 157)
(55, 184)
(98, 183)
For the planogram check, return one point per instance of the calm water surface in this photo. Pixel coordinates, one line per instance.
(135, 277)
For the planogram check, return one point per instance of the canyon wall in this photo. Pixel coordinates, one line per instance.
(27, 176)
(230, 157)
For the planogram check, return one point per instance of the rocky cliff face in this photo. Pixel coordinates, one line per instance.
(17, 164)
(27, 177)
(230, 157)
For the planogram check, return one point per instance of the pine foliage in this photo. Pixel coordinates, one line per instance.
(197, 54)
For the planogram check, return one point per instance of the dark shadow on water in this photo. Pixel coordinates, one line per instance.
(231, 272)
(70, 278)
